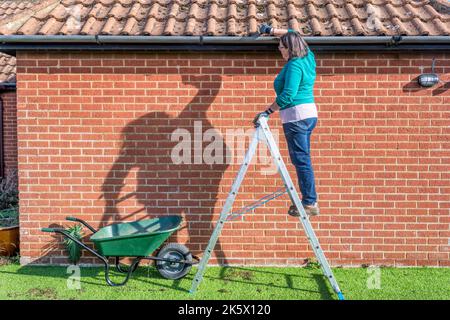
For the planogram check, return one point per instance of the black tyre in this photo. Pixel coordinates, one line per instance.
(174, 270)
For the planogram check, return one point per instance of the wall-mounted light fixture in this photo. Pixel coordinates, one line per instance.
(429, 79)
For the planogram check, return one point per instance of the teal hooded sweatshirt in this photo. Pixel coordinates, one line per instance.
(295, 83)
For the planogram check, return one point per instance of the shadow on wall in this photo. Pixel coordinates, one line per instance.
(413, 86)
(189, 189)
(163, 186)
(440, 90)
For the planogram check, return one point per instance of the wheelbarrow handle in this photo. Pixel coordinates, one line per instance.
(98, 255)
(51, 230)
(82, 222)
(78, 242)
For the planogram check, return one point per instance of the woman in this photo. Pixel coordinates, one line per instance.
(295, 101)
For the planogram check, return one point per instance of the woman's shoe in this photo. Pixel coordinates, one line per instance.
(311, 210)
(293, 211)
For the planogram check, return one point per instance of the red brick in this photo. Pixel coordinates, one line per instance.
(382, 190)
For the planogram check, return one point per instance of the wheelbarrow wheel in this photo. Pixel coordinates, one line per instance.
(174, 270)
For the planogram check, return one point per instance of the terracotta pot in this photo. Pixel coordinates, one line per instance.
(9, 240)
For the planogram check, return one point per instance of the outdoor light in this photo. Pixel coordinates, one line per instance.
(429, 79)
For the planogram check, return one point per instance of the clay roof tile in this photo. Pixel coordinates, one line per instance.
(230, 17)
(7, 68)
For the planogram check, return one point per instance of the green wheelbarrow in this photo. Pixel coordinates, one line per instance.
(139, 240)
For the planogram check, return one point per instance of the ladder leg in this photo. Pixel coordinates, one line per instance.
(225, 210)
(296, 200)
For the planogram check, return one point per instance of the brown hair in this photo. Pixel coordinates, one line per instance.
(295, 44)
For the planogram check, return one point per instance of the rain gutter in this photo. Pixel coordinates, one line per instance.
(6, 86)
(12, 43)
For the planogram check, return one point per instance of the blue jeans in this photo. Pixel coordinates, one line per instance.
(298, 135)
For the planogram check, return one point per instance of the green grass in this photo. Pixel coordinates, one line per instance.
(261, 283)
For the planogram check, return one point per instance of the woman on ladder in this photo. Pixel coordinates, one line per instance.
(295, 101)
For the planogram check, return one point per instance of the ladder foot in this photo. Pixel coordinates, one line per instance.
(340, 296)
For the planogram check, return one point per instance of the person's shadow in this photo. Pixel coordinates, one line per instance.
(163, 185)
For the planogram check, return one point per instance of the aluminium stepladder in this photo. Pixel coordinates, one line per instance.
(263, 133)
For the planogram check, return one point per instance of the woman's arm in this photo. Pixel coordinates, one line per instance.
(292, 80)
(277, 32)
(269, 30)
(274, 106)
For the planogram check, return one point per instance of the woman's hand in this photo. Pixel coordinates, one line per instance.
(271, 31)
(265, 29)
(259, 115)
(273, 107)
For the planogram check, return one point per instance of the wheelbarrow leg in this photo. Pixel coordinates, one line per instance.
(119, 268)
(130, 271)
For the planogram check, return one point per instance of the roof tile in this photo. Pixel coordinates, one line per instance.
(7, 68)
(10, 7)
(236, 17)
(13, 12)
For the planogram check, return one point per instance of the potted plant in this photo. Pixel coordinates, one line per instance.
(73, 249)
(9, 214)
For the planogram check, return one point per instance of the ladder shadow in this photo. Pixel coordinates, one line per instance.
(323, 287)
(271, 285)
(271, 272)
(320, 280)
(146, 276)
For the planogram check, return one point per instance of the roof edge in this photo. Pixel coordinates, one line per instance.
(12, 44)
(4, 86)
(200, 40)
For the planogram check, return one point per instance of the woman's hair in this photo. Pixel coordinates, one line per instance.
(295, 44)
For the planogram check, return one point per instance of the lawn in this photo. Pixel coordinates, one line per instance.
(261, 283)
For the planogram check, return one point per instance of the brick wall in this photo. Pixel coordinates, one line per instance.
(8, 99)
(95, 142)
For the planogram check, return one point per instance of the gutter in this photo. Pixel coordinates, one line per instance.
(7, 86)
(123, 42)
